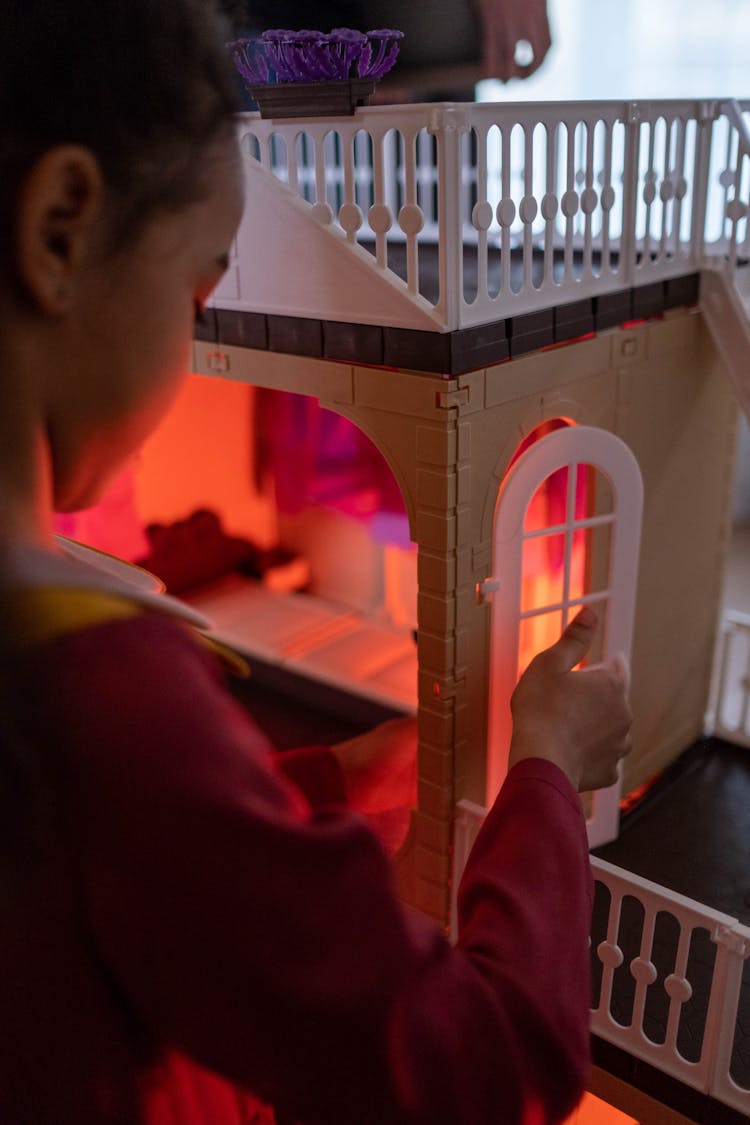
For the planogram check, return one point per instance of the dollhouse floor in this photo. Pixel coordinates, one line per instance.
(429, 268)
(538, 264)
(344, 662)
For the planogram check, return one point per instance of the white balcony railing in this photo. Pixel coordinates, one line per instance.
(695, 1045)
(652, 948)
(492, 210)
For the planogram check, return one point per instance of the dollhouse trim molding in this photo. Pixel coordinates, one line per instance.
(444, 353)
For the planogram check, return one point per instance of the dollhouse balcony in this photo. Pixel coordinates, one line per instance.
(495, 229)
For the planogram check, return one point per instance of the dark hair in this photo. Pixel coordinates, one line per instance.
(145, 84)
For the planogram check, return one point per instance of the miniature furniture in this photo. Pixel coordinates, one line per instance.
(531, 310)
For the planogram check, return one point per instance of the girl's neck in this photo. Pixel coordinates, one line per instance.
(26, 491)
(26, 496)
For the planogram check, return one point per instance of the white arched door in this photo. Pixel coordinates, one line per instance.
(566, 534)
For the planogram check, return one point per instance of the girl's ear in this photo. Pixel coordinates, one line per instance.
(59, 203)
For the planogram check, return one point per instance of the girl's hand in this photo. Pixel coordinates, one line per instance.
(580, 720)
(380, 767)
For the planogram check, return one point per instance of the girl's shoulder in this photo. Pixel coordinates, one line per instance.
(51, 595)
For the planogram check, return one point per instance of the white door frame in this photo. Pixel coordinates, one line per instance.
(568, 447)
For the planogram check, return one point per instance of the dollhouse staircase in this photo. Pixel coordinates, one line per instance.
(725, 305)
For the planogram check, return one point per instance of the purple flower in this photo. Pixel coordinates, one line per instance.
(321, 65)
(273, 42)
(250, 60)
(348, 46)
(298, 56)
(297, 50)
(387, 40)
(281, 55)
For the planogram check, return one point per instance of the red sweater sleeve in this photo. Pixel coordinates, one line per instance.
(266, 941)
(316, 772)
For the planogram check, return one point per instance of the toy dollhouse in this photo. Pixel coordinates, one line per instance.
(531, 311)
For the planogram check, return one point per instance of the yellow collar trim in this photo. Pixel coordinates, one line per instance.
(43, 613)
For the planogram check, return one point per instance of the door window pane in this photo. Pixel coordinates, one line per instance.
(536, 633)
(543, 572)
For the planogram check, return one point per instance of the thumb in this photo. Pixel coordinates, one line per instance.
(575, 641)
(621, 665)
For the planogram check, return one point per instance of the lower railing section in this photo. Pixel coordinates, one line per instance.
(669, 977)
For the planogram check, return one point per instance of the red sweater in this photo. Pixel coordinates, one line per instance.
(193, 928)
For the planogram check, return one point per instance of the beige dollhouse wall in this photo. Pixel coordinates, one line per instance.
(685, 445)
(660, 387)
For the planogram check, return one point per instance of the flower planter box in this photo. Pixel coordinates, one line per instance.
(338, 98)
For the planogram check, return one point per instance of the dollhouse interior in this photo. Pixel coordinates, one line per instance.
(472, 367)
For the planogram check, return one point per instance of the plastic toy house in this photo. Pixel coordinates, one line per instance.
(531, 311)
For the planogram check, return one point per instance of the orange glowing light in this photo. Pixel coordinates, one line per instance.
(593, 1111)
(544, 586)
(199, 458)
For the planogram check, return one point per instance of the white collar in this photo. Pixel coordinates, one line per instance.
(78, 567)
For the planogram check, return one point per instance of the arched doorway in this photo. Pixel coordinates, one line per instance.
(566, 534)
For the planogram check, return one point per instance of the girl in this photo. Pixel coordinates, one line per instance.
(183, 931)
